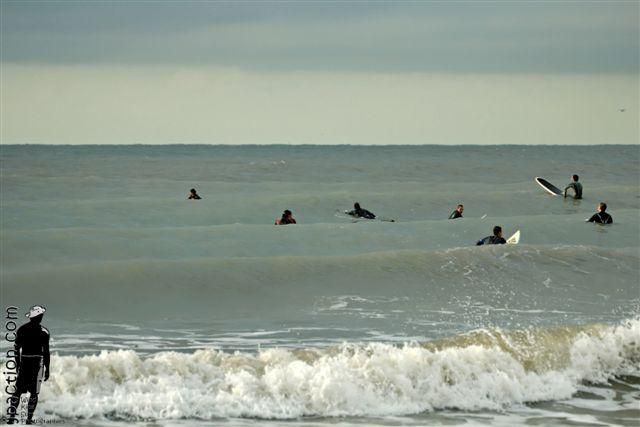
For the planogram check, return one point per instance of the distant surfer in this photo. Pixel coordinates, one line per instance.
(286, 219)
(601, 217)
(193, 195)
(495, 239)
(575, 186)
(358, 212)
(32, 358)
(457, 213)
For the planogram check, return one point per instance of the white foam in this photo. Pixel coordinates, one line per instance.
(374, 379)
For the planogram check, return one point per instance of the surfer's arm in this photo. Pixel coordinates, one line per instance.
(46, 357)
(593, 218)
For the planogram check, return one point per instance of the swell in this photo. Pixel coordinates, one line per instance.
(574, 278)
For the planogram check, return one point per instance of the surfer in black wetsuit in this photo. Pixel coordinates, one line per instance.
(193, 195)
(286, 219)
(575, 186)
(496, 239)
(601, 217)
(358, 212)
(32, 358)
(457, 213)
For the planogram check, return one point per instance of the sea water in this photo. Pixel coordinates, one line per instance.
(171, 311)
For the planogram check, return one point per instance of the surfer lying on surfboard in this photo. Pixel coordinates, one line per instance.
(495, 239)
(358, 212)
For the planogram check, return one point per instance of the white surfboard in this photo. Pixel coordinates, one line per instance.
(548, 187)
(513, 240)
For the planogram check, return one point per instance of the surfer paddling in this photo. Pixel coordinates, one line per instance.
(358, 212)
(495, 239)
(32, 360)
(601, 217)
(575, 186)
(286, 219)
(457, 213)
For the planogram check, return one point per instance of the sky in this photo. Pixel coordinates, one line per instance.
(319, 72)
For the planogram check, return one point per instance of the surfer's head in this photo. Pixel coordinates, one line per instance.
(460, 208)
(575, 178)
(356, 206)
(602, 206)
(36, 313)
(497, 231)
(286, 214)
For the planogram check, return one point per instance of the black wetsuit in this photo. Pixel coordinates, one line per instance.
(32, 346)
(285, 221)
(455, 214)
(491, 240)
(361, 213)
(576, 187)
(601, 218)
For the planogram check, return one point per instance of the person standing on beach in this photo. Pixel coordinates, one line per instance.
(32, 358)
(575, 186)
(457, 213)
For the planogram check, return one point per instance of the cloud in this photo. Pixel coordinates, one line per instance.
(521, 37)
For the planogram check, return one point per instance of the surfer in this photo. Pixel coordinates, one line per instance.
(193, 195)
(457, 213)
(358, 212)
(287, 218)
(575, 186)
(495, 239)
(32, 357)
(601, 217)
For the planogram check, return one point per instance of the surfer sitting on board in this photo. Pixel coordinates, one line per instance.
(575, 186)
(601, 217)
(496, 239)
(358, 212)
(457, 213)
(287, 218)
(193, 195)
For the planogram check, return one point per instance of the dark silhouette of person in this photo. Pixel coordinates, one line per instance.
(575, 186)
(601, 217)
(358, 212)
(495, 239)
(193, 195)
(286, 219)
(32, 358)
(457, 213)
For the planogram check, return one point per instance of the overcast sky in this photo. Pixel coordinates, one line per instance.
(319, 72)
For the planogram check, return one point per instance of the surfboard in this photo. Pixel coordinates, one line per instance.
(513, 240)
(549, 187)
(345, 215)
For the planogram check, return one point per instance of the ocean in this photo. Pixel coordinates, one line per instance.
(165, 311)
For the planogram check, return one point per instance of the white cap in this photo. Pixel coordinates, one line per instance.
(36, 310)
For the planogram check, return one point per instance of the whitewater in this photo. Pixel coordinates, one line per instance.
(171, 311)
